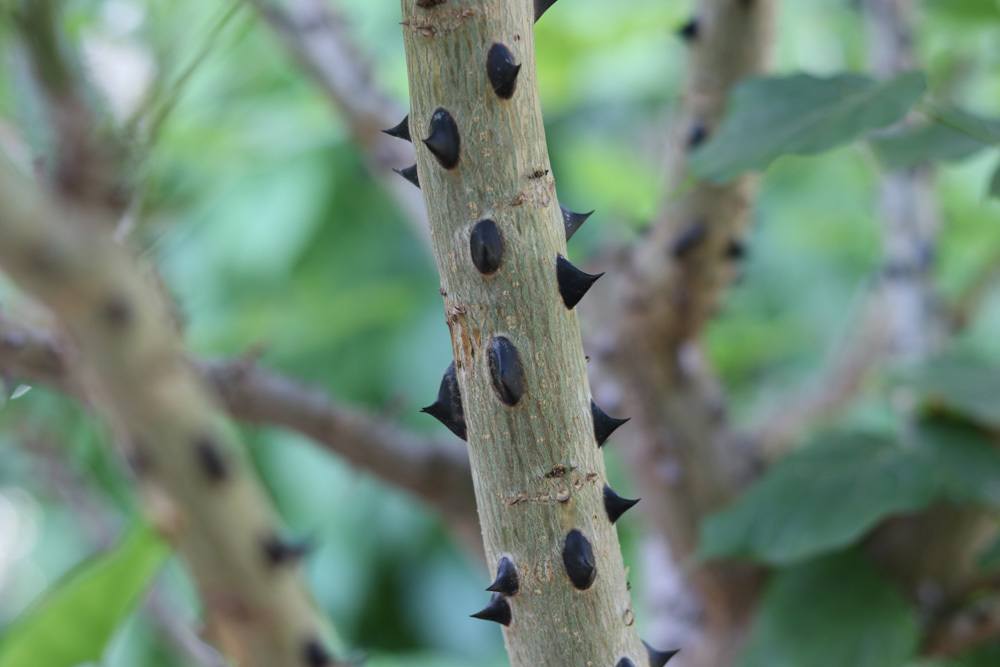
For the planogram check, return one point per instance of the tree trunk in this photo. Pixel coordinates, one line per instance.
(538, 471)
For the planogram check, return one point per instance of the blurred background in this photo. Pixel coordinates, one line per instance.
(274, 238)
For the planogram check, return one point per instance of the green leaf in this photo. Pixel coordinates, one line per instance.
(988, 656)
(994, 190)
(950, 134)
(828, 494)
(801, 115)
(832, 612)
(965, 387)
(75, 620)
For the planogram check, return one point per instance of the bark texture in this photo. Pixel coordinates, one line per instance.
(198, 490)
(537, 469)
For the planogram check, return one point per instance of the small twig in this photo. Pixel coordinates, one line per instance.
(316, 35)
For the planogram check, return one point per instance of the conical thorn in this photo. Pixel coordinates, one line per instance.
(506, 582)
(615, 505)
(573, 283)
(573, 221)
(448, 409)
(604, 425)
(658, 658)
(401, 131)
(410, 174)
(502, 70)
(443, 141)
(498, 610)
(541, 6)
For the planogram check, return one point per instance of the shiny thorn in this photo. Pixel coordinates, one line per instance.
(506, 581)
(279, 552)
(573, 221)
(578, 558)
(410, 174)
(443, 141)
(401, 131)
(502, 71)
(506, 371)
(573, 283)
(604, 425)
(498, 610)
(625, 662)
(615, 505)
(448, 408)
(486, 246)
(658, 658)
(541, 6)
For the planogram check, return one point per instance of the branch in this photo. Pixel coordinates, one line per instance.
(434, 471)
(198, 489)
(686, 458)
(964, 629)
(318, 38)
(86, 166)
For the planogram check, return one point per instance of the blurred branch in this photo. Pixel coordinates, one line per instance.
(899, 321)
(97, 525)
(318, 37)
(434, 471)
(964, 629)
(198, 490)
(87, 154)
(688, 460)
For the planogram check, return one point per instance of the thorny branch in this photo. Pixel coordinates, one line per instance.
(198, 490)
(435, 471)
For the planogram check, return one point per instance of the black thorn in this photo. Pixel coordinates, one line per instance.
(281, 552)
(689, 31)
(690, 238)
(625, 662)
(604, 425)
(427, 4)
(410, 174)
(448, 408)
(615, 505)
(697, 135)
(573, 283)
(506, 370)
(658, 658)
(578, 557)
(401, 131)
(498, 610)
(444, 142)
(736, 250)
(210, 459)
(573, 221)
(506, 582)
(502, 71)
(486, 246)
(314, 654)
(541, 6)
(117, 312)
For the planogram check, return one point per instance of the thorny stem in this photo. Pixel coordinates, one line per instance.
(199, 491)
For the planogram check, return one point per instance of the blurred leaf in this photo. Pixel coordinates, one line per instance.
(832, 612)
(828, 494)
(801, 115)
(994, 190)
(76, 619)
(965, 387)
(951, 134)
